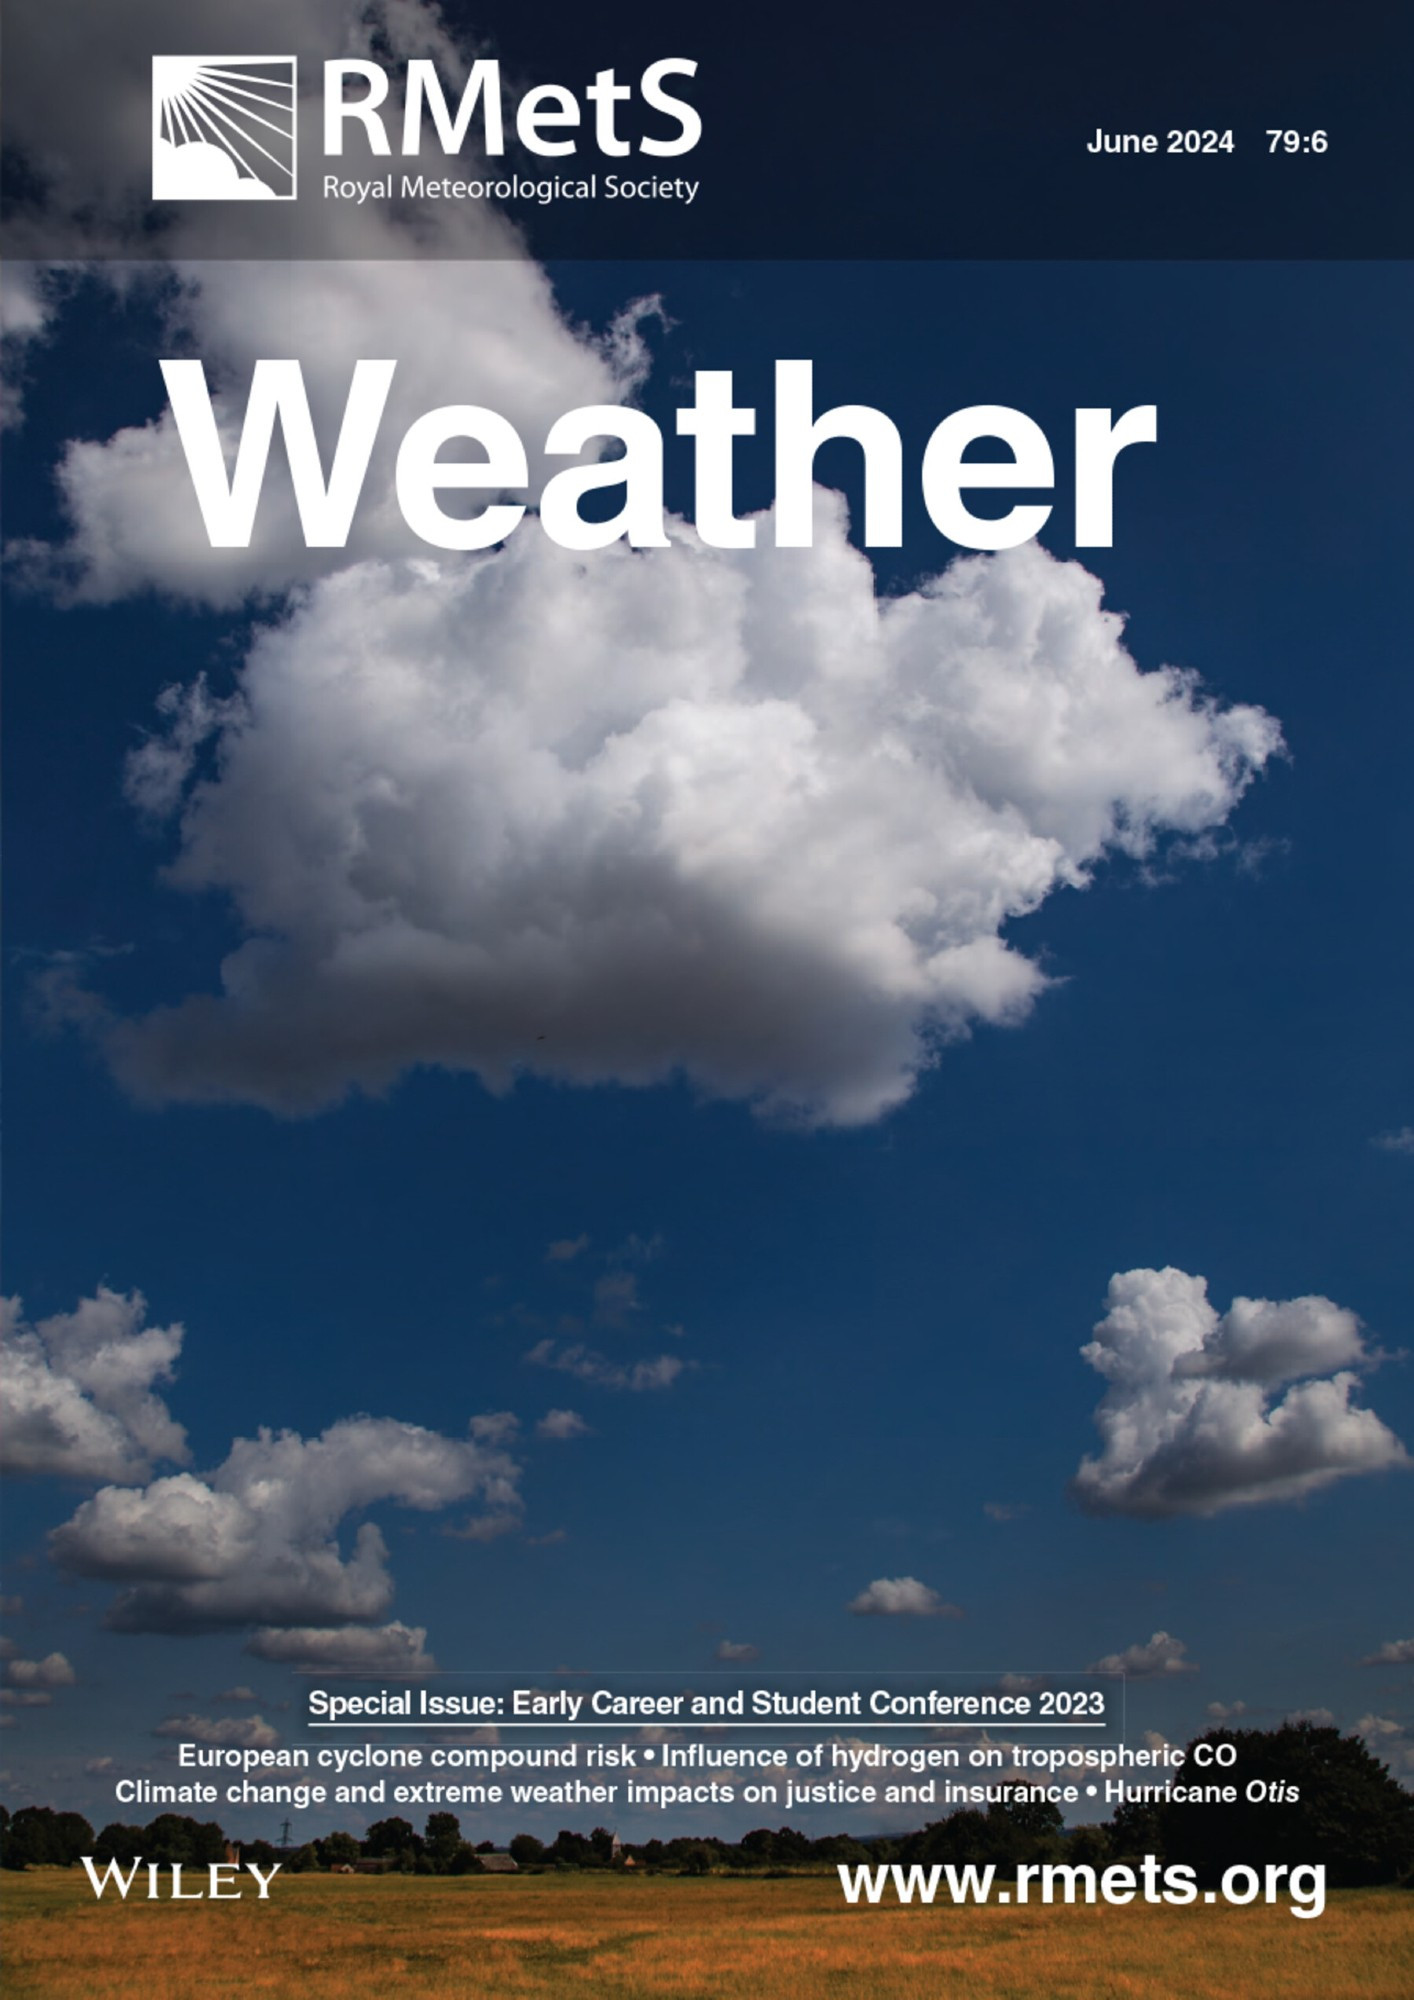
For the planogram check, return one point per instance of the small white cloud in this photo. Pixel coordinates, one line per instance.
(1319, 1718)
(27, 308)
(159, 768)
(588, 1366)
(237, 1732)
(96, 1766)
(485, 1527)
(25, 1697)
(1155, 1659)
(374, 1650)
(566, 1249)
(1004, 1510)
(1393, 1653)
(78, 1390)
(562, 1424)
(616, 1298)
(1226, 1711)
(901, 1597)
(238, 1694)
(1191, 1421)
(733, 1653)
(51, 1672)
(1400, 1141)
(494, 1427)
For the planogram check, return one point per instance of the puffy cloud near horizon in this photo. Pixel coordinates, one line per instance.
(1391, 1742)
(78, 1390)
(256, 1541)
(723, 814)
(240, 1732)
(1192, 1422)
(1155, 1659)
(364, 1649)
(737, 1652)
(1393, 1653)
(901, 1597)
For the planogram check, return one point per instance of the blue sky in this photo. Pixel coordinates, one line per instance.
(880, 1327)
(580, 1113)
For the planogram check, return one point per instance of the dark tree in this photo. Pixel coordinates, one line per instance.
(1091, 1845)
(443, 1838)
(119, 1843)
(39, 1835)
(336, 1849)
(1349, 1812)
(525, 1849)
(837, 1847)
(177, 1837)
(392, 1837)
(1006, 1835)
(1137, 1829)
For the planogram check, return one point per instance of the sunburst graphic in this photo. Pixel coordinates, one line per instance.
(223, 128)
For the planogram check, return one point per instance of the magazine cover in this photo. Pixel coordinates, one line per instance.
(709, 1116)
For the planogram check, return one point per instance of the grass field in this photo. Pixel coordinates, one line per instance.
(598, 1937)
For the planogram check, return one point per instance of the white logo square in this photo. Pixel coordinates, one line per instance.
(223, 128)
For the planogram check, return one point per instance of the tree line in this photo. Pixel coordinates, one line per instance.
(1348, 1813)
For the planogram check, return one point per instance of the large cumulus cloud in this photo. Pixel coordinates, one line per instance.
(728, 814)
(1193, 1421)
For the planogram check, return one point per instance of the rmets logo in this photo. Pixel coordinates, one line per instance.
(223, 128)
